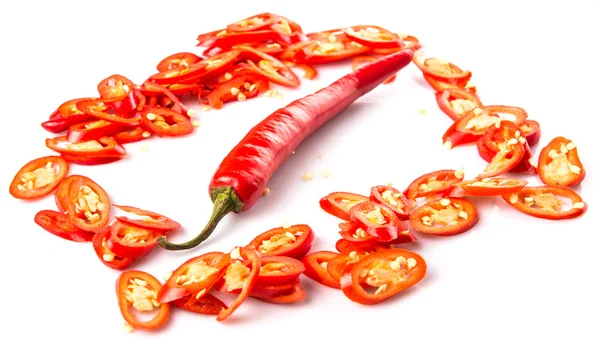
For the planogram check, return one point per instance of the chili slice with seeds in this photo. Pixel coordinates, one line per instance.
(542, 202)
(107, 257)
(137, 290)
(39, 177)
(339, 203)
(316, 267)
(436, 182)
(294, 241)
(444, 217)
(559, 163)
(389, 272)
(164, 122)
(59, 225)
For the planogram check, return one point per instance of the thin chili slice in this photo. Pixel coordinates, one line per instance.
(444, 217)
(433, 183)
(543, 202)
(373, 36)
(472, 125)
(241, 273)
(499, 138)
(165, 122)
(442, 70)
(297, 294)
(316, 267)
(441, 85)
(270, 67)
(255, 22)
(93, 130)
(457, 102)
(59, 225)
(145, 219)
(136, 290)
(195, 276)
(345, 247)
(294, 241)
(377, 220)
(131, 241)
(183, 59)
(103, 147)
(99, 109)
(393, 199)
(88, 205)
(339, 203)
(506, 159)
(277, 270)
(387, 272)
(107, 257)
(492, 186)
(532, 131)
(65, 115)
(559, 163)
(90, 160)
(39, 177)
(205, 305)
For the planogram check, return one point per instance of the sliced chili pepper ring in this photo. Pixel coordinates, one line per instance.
(339, 203)
(136, 290)
(542, 202)
(59, 225)
(294, 241)
(145, 219)
(316, 267)
(39, 177)
(388, 272)
(444, 217)
(559, 163)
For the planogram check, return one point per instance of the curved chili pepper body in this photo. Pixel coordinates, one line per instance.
(243, 175)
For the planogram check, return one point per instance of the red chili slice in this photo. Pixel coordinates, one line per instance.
(59, 225)
(88, 205)
(501, 136)
(129, 136)
(133, 289)
(131, 241)
(444, 217)
(255, 22)
(195, 275)
(270, 67)
(107, 257)
(103, 147)
(294, 241)
(277, 270)
(433, 183)
(179, 74)
(355, 233)
(542, 202)
(506, 159)
(389, 272)
(145, 219)
(241, 273)
(373, 36)
(377, 220)
(225, 38)
(240, 88)
(164, 122)
(457, 102)
(216, 65)
(90, 160)
(492, 186)
(99, 109)
(65, 115)
(345, 247)
(316, 267)
(532, 131)
(115, 87)
(205, 305)
(339, 203)
(93, 130)
(268, 290)
(441, 85)
(442, 70)
(334, 47)
(391, 198)
(471, 126)
(183, 59)
(298, 294)
(39, 177)
(336, 265)
(559, 163)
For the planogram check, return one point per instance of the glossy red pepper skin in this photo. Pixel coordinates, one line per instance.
(242, 176)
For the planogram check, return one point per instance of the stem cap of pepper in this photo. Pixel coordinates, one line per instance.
(225, 201)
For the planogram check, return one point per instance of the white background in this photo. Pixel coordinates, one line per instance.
(513, 279)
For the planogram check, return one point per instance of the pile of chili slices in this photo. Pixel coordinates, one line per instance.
(240, 62)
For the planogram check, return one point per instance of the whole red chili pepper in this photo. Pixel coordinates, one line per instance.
(243, 174)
